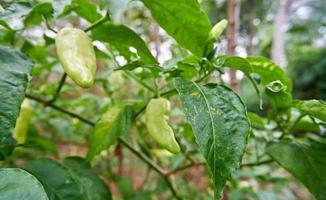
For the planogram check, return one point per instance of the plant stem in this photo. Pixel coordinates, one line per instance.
(153, 165)
(98, 22)
(57, 92)
(141, 82)
(295, 123)
(203, 163)
(139, 154)
(184, 167)
(49, 104)
(48, 25)
(257, 163)
(174, 91)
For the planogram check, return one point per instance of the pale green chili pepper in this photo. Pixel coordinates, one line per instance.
(77, 56)
(157, 115)
(22, 122)
(217, 30)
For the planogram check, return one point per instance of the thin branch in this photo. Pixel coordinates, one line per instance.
(296, 122)
(141, 82)
(203, 163)
(48, 25)
(184, 167)
(256, 163)
(49, 104)
(139, 154)
(57, 92)
(169, 92)
(98, 22)
(174, 91)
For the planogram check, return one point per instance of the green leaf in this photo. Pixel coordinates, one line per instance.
(39, 142)
(275, 86)
(18, 184)
(242, 64)
(235, 62)
(113, 124)
(184, 21)
(307, 124)
(15, 70)
(270, 74)
(219, 121)
(187, 68)
(35, 16)
(123, 38)
(92, 186)
(256, 121)
(84, 8)
(148, 70)
(56, 179)
(306, 161)
(314, 108)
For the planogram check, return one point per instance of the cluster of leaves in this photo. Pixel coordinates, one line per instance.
(220, 124)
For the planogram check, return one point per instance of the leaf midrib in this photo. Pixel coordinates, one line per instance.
(212, 123)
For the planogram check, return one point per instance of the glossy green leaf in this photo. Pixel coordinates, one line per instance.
(239, 63)
(15, 70)
(36, 15)
(256, 121)
(56, 179)
(271, 73)
(219, 121)
(307, 124)
(235, 62)
(314, 108)
(84, 8)
(113, 124)
(18, 184)
(184, 21)
(148, 70)
(91, 185)
(123, 39)
(306, 161)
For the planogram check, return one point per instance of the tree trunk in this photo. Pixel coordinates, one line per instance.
(281, 19)
(233, 29)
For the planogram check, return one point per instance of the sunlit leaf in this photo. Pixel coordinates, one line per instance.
(84, 8)
(113, 124)
(38, 13)
(124, 40)
(269, 73)
(184, 21)
(314, 108)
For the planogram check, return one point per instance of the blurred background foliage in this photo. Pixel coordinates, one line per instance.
(27, 25)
